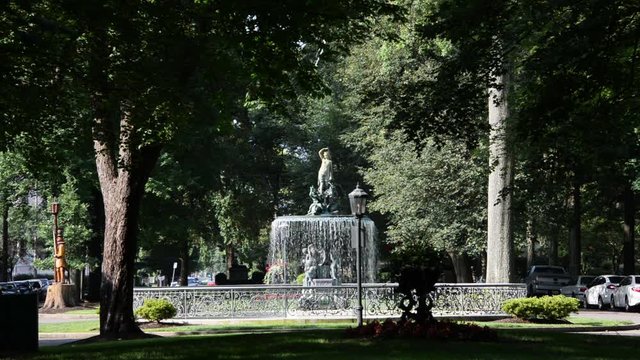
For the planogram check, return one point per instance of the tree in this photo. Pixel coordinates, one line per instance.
(14, 180)
(148, 72)
(434, 200)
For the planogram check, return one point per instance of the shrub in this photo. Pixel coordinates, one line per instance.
(156, 310)
(543, 308)
(300, 279)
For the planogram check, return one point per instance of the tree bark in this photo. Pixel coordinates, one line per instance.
(461, 267)
(184, 263)
(122, 179)
(60, 296)
(553, 248)
(230, 259)
(94, 248)
(499, 231)
(531, 244)
(575, 247)
(4, 259)
(628, 250)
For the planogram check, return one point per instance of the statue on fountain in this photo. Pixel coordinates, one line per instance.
(325, 196)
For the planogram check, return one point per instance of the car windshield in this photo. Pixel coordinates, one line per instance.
(585, 280)
(615, 279)
(549, 270)
(637, 279)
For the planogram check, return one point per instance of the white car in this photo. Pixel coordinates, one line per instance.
(627, 294)
(599, 291)
(577, 287)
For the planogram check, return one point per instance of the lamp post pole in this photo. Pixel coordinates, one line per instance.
(358, 202)
(359, 269)
(173, 274)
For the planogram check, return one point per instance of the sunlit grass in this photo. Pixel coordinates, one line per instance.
(79, 326)
(89, 311)
(332, 344)
(573, 322)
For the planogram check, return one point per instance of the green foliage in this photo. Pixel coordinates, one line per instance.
(156, 310)
(541, 308)
(300, 279)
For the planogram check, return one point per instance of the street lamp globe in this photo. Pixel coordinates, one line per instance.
(358, 201)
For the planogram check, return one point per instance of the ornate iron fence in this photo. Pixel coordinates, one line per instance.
(275, 301)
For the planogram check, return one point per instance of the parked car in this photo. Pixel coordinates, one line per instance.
(8, 288)
(40, 286)
(627, 294)
(546, 280)
(191, 281)
(23, 287)
(577, 287)
(599, 291)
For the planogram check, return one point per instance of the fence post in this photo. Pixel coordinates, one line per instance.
(184, 303)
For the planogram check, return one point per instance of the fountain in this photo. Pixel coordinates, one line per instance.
(321, 245)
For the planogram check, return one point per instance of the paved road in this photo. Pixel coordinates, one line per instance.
(58, 339)
(613, 315)
(610, 315)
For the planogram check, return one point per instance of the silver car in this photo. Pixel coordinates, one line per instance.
(599, 291)
(627, 294)
(577, 287)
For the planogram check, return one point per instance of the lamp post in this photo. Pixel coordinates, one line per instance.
(358, 202)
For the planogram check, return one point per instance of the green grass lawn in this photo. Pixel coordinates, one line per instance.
(90, 311)
(332, 344)
(575, 321)
(92, 325)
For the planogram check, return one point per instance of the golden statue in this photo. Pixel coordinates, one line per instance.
(60, 264)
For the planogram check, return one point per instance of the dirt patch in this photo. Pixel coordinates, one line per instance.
(82, 306)
(155, 325)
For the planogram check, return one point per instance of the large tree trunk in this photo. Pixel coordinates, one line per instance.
(4, 259)
(184, 263)
(230, 254)
(461, 267)
(628, 250)
(499, 232)
(531, 244)
(94, 248)
(553, 247)
(122, 179)
(575, 247)
(60, 296)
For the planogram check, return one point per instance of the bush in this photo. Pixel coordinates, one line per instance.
(156, 310)
(543, 308)
(300, 279)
